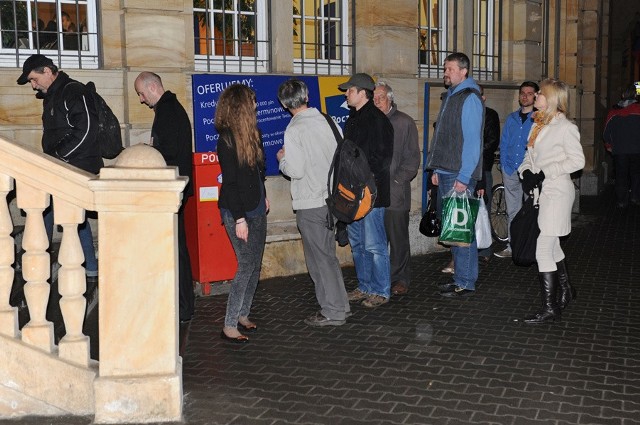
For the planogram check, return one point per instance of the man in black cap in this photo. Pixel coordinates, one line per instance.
(69, 122)
(372, 131)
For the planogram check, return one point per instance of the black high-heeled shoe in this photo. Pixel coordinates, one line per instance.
(236, 340)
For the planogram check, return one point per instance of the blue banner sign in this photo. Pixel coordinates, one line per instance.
(272, 118)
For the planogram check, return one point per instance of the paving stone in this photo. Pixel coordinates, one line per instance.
(421, 359)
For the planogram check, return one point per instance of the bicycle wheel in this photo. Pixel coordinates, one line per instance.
(498, 217)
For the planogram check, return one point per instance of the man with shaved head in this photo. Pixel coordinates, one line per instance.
(171, 135)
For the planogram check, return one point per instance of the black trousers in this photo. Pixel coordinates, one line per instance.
(186, 297)
(627, 170)
(396, 224)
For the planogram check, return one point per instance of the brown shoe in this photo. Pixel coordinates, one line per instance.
(356, 295)
(399, 288)
(373, 301)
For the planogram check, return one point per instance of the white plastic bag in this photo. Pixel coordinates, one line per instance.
(483, 227)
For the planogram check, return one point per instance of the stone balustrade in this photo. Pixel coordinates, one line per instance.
(139, 375)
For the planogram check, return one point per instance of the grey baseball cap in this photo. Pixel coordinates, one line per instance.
(362, 80)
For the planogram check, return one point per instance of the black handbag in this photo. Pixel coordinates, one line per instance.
(430, 223)
(524, 232)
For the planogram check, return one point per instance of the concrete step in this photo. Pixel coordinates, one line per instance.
(14, 404)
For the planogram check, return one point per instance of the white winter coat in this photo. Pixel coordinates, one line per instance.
(557, 152)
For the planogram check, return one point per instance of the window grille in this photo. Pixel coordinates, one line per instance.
(436, 40)
(231, 35)
(321, 43)
(64, 30)
(486, 40)
(432, 37)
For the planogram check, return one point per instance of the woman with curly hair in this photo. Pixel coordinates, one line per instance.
(243, 202)
(553, 153)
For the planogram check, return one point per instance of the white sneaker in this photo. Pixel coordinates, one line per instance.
(505, 253)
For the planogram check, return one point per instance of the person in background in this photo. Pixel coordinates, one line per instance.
(513, 144)
(490, 143)
(456, 159)
(372, 131)
(404, 166)
(243, 201)
(70, 35)
(171, 136)
(309, 146)
(622, 139)
(553, 153)
(69, 134)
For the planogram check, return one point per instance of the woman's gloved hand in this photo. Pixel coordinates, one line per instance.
(531, 180)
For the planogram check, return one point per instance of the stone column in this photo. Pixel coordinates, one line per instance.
(281, 37)
(140, 370)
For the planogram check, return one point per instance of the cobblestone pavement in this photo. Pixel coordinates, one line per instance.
(422, 359)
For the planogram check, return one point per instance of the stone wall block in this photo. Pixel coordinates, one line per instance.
(588, 51)
(155, 41)
(531, 28)
(376, 13)
(589, 22)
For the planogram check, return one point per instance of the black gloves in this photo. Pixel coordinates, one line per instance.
(530, 180)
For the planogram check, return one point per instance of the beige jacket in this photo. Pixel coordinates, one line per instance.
(557, 152)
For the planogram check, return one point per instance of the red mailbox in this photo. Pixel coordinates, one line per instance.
(211, 252)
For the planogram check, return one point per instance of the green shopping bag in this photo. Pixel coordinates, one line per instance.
(459, 212)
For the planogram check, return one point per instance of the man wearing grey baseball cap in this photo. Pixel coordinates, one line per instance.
(372, 131)
(70, 124)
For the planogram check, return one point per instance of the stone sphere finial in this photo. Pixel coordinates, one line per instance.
(140, 156)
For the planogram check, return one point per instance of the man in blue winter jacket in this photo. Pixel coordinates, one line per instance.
(456, 158)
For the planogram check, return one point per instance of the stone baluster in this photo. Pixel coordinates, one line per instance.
(140, 370)
(72, 284)
(36, 267)
(8, 314)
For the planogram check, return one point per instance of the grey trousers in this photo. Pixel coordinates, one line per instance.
(319, 247)
(512, 195)
(249, 256)
(396, 224)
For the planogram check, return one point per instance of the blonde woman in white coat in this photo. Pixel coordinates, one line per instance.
(553, 153)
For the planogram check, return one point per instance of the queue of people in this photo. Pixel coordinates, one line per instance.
(539, 143)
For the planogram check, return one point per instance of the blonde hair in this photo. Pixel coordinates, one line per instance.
(236, 113)
(556, 93)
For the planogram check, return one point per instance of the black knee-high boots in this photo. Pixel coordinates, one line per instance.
(550, 310)
(567, 292)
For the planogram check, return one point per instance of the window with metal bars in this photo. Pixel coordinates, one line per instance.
(64, 30)
(321, 38)
(432, 37)
(436, 40)
(486, 32)
(231, 35)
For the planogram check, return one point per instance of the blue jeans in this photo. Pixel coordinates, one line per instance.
(368, 240)
(249, 256)
(465, 259)
(86, 241)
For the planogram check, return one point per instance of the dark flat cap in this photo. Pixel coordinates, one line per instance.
(33, 62)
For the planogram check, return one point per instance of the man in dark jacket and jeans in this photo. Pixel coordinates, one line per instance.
(69, 121)
(171, 135)
(372, 131)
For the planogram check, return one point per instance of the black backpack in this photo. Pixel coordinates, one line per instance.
(350, 183)
(108, 135)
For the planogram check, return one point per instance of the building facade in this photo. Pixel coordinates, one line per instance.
(403, 41)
